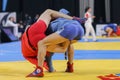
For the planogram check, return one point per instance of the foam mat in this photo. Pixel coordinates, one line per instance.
(83, 70)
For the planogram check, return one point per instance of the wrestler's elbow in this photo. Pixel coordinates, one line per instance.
(48, 10)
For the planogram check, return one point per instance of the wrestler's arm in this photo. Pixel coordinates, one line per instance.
(49, 14)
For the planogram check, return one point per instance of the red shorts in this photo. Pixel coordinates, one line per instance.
(27, 51)
(35, 33)
(26, 48)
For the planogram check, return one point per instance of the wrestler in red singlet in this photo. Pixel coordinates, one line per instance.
(30, 38)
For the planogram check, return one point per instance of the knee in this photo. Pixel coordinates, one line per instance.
(40, 43)
(111, 30)
(65, 49)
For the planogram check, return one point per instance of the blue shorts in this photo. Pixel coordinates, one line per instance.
(72, 31)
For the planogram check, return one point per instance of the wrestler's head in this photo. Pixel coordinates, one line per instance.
(88, 9)
(12, 19)
(64, 11)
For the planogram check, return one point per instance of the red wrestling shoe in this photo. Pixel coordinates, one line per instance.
(38, 72)
(69, 67)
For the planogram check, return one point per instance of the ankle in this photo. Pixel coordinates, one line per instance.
(38, 67)
(70, 63)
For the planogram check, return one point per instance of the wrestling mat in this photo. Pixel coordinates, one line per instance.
(93, 61)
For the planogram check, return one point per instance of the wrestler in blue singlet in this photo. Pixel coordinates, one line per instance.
(113, 26)
(70, 29)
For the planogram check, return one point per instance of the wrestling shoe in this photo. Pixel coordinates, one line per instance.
(38, 72)
(69, 67)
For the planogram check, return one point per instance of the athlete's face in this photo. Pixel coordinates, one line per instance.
(89, 10)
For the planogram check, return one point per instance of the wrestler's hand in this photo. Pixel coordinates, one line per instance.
(80, 20)
(93, 17)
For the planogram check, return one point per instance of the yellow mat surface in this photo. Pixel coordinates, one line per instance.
(97, 46)
(84, 70)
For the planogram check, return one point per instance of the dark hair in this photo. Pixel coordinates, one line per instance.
(10, 18)
(87, 8)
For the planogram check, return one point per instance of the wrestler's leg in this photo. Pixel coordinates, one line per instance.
(70, 59)
(70, 54)
(49, 40)
(114, 34)
(60, 48)
(48, 59)
(109, 31)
